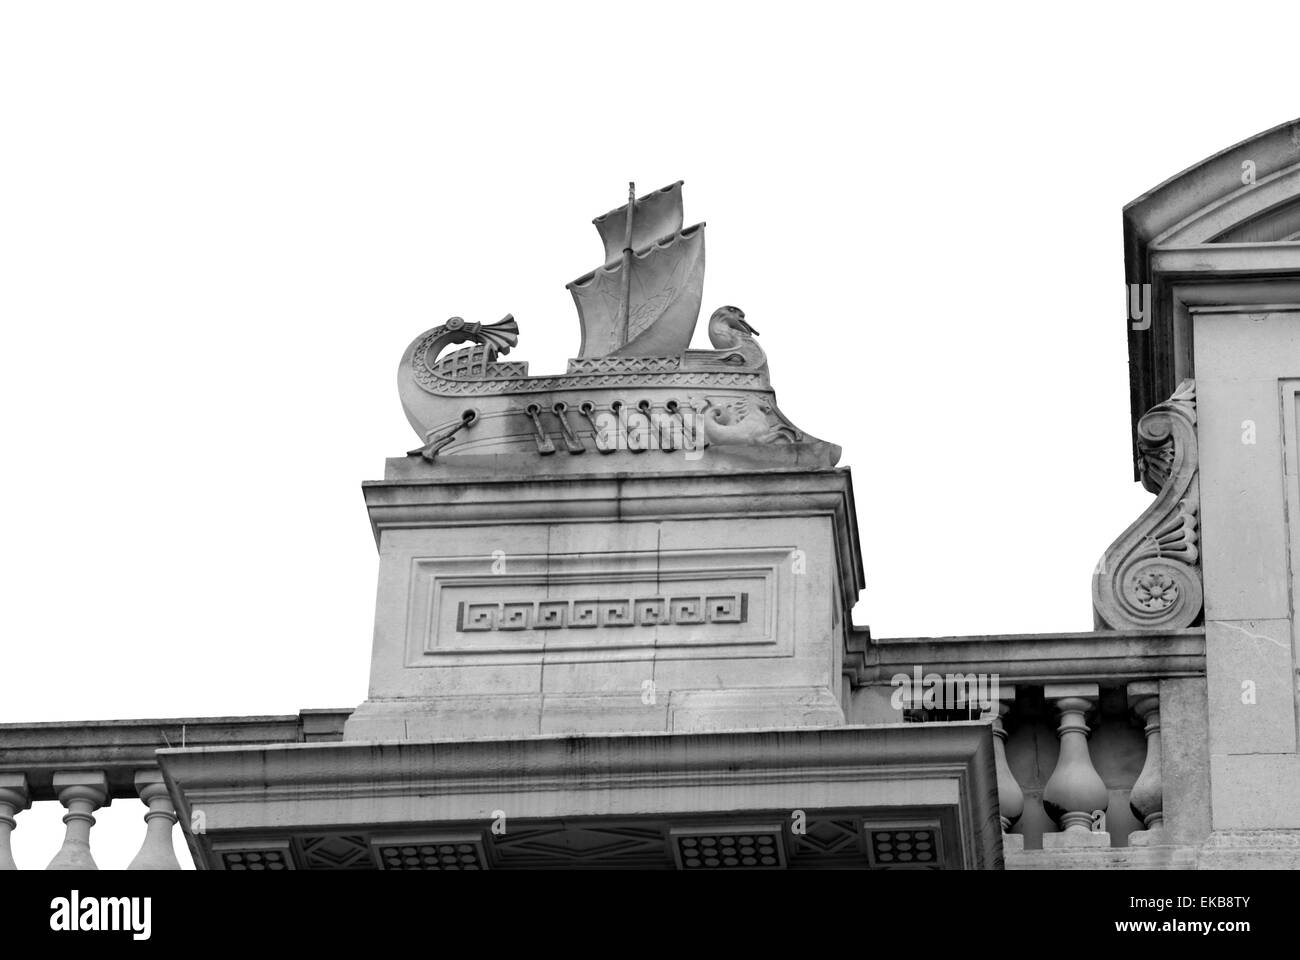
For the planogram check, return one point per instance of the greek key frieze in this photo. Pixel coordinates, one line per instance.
(688, 610)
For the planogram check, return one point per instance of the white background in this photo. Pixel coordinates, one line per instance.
(221, 224)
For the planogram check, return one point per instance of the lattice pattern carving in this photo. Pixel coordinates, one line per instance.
(590, 365)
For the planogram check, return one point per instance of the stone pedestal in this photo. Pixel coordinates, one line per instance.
(691, 602)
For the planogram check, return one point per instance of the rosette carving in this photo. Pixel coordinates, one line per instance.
(1150, 578)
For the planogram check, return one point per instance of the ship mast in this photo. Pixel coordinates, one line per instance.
(627, 266)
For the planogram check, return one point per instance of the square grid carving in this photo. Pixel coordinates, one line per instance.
(903, 846)
(254, 855)
(733, 847)
(430, 851)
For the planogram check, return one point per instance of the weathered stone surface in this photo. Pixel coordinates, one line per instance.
(1251, 686)
(1185, 762)
(1250, 850)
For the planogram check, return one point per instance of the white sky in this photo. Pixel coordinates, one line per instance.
(221, 224)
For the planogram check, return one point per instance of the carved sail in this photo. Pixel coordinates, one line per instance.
(667, 285)
(654, 217)
(665, 288)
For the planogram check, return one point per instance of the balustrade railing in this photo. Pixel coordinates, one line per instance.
(1045, 684)
(85, 766)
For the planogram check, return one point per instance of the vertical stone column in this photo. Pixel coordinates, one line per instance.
(157, 852)
(1146, 799)
(1011, 799)
(1075, 790)
(82, 792)
(14, 798)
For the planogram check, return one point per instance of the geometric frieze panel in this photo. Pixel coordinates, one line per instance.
(732, 847)
(589, 614)
(254, 855)
(828, 841)
(671, 602)
(336, 852)
(430, 851)
(567, 845)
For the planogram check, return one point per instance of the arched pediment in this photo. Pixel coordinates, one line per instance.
(1248, 193)
(1225, 230)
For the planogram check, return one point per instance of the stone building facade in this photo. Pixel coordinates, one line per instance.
(614, 625)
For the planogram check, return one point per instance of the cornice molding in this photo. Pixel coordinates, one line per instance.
(401, 504)
(122, 747)
(1112, 657)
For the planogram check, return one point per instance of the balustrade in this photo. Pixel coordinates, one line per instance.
(1075, 794)
(157, 852)
(82, 793)
(1147, 796)
(1085, 687)
(14, 798)
(1011, 799)
(86, 766)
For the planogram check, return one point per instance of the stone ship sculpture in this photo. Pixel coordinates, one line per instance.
(635, 386)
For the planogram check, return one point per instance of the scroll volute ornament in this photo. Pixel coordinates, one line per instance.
(1150, 578)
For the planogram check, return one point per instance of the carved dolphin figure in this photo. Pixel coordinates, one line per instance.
(742, 420)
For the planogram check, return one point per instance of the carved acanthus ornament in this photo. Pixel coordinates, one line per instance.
(1150, 578)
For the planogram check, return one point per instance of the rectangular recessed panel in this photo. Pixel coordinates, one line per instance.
(739, 846)
(254, 855)
(440, 851)
(721, 602)
(904, 845)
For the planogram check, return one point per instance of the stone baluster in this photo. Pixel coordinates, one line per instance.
(82, 792)
(1146, 799)
(157, 852)
(1074, 790)
(14, 798)
(1011, 799)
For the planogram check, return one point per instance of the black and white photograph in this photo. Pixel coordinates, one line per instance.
(392, 483)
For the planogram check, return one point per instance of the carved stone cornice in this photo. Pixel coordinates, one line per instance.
(1110, 657)
(1150, 578)
(121, 748)
(357, 787)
